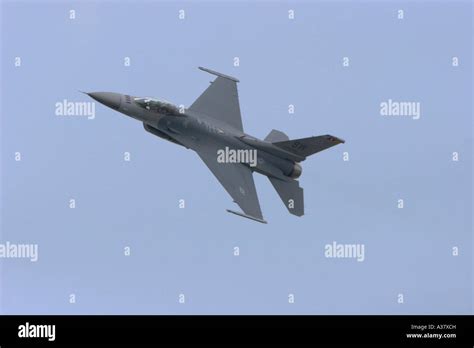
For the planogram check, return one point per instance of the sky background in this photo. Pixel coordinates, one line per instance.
(190, 251)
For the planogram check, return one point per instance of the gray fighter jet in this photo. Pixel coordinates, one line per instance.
(212, 127)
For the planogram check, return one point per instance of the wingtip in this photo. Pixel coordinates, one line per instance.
(213, 72)
(247, 216)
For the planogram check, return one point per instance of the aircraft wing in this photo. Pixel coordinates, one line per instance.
(237, 179)
(220, 100)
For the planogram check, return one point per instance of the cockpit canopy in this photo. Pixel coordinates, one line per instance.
(158, 105)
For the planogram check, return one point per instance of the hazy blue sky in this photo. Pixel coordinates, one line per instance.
(408, 251)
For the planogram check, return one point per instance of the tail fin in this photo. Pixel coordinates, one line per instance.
(276, 135)
(308, 146)
(291, 194)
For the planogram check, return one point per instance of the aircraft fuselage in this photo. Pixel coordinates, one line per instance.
(200, 128)
(212, 127)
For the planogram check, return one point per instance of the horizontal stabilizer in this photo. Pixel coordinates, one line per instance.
(276, 135)
(308, 146)
(247, 216)
(291, 194)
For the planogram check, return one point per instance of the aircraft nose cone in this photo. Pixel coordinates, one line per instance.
(112, 100)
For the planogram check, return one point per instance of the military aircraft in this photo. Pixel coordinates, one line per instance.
(212, 127)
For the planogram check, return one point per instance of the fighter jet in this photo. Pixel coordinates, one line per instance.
(212, 127)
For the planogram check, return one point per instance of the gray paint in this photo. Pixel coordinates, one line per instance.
(213, 122)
